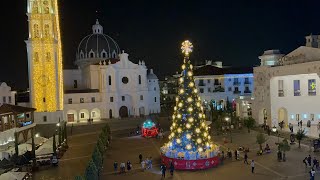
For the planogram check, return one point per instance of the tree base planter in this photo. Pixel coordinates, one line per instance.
(181, 164)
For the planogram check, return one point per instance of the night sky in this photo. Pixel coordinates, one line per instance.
(230, 31)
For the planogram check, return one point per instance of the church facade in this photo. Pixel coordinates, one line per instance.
(105, 85)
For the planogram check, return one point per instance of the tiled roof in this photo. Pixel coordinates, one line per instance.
(213, 70)
(8, 108)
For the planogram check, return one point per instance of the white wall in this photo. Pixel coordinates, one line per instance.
(6, 95)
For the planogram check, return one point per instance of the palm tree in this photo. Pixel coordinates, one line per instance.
(261, 139)
(300, 135)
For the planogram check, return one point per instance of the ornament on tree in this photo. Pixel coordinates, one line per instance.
(189, 132)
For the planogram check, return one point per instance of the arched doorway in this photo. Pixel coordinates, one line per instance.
(283, 116)
(110, 114)
(123, 112)
(95, 113)
(141, 111)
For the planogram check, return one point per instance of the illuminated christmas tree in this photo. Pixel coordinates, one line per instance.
(189, 138)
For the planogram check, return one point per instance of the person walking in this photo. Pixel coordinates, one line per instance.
(122, 167)
(245, 158)
(305, 161)
(312, 174)
(143, 165)
(236, 154)
(128, 165)
(309, 160)
(140, 157)
(252, 166)
(171, 168)
(222, 157)
(150, 163)
(163, 171)
(115, 166)
(314, 162)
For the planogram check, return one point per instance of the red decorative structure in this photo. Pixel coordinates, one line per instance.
(149, 129)
(182, 164)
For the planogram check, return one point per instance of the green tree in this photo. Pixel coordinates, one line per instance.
(91, 171)
(100, 146)
(300, 136)
(97, 159)
(249, 122)
(261, 139)
(65, 133)
(284, 147)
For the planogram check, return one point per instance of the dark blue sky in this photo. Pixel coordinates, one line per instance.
(230, 31)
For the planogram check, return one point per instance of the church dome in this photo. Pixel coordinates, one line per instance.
(96, 47)
(151, 75)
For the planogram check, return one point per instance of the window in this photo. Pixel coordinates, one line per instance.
(297, 117)
(236, 81)
(236, 89)
(9, 97)
(312, 117)
(36, 31)
(125, 80)
(201, 82)
(91, 54)
(82, 115)
(312, 87)
(109, 80)
(44, 119)
(208, 80)
(229, 89)
(123, 98)
(104, 55)
(4, 99)
(70, 101)
(201, 90)
(280, 88)
(296, 88)
(216, 82)
(75, 84)
(141, 98)
(209, 89)
(44, 99)
(93, 114)
(93, 99)
(81, 100)
(111, 99)
(139, 79)
(154, 88)
(246, 81)
(155, 99)
(247, 89)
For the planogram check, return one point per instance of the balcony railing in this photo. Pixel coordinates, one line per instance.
(201, 84)
(281, 93)
(236, 92)
(312, 93)
(247, 92)
(236, 83)
(297, 93)
(218, 89)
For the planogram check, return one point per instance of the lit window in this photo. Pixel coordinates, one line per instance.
(312, 117)
(312, 87)
(297, 117)
(93, 114)
(280, 88)
(81, 115)
(81, 100)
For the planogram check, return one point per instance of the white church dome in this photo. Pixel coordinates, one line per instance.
(96, 47)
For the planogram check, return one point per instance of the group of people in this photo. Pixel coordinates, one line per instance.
(145, 164)
(163, 169)
(313, 163)
(123, 166)
(237, 157)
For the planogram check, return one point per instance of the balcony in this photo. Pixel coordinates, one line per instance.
(218, 89)
(236, 92)
(312, 93)
(297, 93)
(236, 83)
(280, 93)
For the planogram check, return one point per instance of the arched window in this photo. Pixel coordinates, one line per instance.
(46, 7)
(36, 57)
(109, 78)
(139, 79)
(114, 54)
(46, 30)
(35, 7)
(48, 56)
(104, 55)
(81, 55)
(36, 31)
(155, 88)
(91, 54)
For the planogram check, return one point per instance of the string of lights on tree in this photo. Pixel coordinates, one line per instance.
(189, 132)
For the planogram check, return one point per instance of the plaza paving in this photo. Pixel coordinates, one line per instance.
(124, 148)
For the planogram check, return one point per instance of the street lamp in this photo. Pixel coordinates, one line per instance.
(228, 119)
(274, 129)
(37, 135)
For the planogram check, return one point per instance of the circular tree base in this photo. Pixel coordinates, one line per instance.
(182, 164)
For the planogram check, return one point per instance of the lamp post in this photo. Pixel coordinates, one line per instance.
(274, 129)
(228, 119)
(59, 133)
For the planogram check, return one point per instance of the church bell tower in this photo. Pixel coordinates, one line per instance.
(44, 56)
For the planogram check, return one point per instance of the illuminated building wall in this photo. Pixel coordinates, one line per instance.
(44, 56)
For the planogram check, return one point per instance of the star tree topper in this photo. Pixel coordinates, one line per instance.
(186, 47)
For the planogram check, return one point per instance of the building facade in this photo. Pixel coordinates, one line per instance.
(287, 88)
(218, 85)
(107, 84)
(7, 96)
